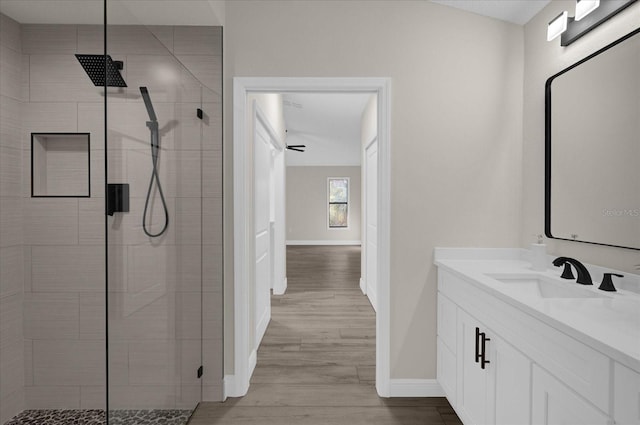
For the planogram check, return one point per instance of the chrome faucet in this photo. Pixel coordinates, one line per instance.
(584, 278)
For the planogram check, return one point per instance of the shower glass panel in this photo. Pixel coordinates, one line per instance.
(155, 248)
(161, 130)
(52, 234)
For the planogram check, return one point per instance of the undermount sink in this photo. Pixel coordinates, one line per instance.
(543, 287)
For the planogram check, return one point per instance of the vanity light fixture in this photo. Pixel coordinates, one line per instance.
(557, 26)
(589, 14)
(584, 7)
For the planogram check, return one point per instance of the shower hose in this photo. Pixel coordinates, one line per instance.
(155, 148)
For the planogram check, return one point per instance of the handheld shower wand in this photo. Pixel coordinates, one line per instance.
(148, 104)
(152, 124)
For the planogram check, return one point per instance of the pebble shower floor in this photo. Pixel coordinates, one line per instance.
(97, 417)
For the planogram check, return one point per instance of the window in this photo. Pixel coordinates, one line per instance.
(338, 202)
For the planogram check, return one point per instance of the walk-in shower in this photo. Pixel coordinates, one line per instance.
(102, 321)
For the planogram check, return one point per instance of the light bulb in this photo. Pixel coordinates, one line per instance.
(557, 26)
(584, 7)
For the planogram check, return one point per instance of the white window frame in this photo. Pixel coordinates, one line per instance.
(328, 204)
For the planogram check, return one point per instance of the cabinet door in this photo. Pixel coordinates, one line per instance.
(447, 372)
(447, 322)
(626, 395)
(447, 340)
(510, 384)
(471, 403)
(555, 404)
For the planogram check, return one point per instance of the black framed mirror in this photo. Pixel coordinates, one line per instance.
(592, 146)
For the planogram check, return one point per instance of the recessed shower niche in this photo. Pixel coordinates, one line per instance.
(60, 165)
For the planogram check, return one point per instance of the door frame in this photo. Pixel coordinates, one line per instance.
(365, 278)
(244, 356)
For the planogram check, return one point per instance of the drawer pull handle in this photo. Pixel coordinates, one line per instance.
(483, 360)
(477, 344)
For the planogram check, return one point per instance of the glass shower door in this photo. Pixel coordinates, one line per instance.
(52, 340)
(155, 245)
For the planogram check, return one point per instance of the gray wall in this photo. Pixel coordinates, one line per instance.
(11, 211)
(456, 130)
(307, 204)
(542, 60)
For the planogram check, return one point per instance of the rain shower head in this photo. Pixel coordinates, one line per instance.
(94, 66)
(148, 104)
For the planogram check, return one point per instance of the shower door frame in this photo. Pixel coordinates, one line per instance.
(106, 216)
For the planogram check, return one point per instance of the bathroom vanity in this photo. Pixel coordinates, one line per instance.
(517, 346)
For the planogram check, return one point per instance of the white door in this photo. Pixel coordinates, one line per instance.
(262, 216)
(272, 218)
(279, 217)
(371, 221)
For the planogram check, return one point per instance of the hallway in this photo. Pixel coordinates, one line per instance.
(316, 363)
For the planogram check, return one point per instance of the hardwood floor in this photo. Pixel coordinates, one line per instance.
(316, 363)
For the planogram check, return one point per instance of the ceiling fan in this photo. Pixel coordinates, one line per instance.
(297, 148)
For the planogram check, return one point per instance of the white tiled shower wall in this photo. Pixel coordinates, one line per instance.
(155, 296)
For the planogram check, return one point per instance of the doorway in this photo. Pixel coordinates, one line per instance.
(244, 276)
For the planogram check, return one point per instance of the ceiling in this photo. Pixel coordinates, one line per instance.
(514, 11)
(328, 124)
(209, 12)
(123, 12)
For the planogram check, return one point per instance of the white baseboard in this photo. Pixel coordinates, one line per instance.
(280, 289)
(261, 327)
(415, 388)
(373, 299)
(230, 385)
(363, 286)
(327, 242)
(253, 361)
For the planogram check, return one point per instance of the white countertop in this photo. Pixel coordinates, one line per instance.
(609, 324)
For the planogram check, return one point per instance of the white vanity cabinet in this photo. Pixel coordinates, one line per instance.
(494, 378)
(533, 373)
